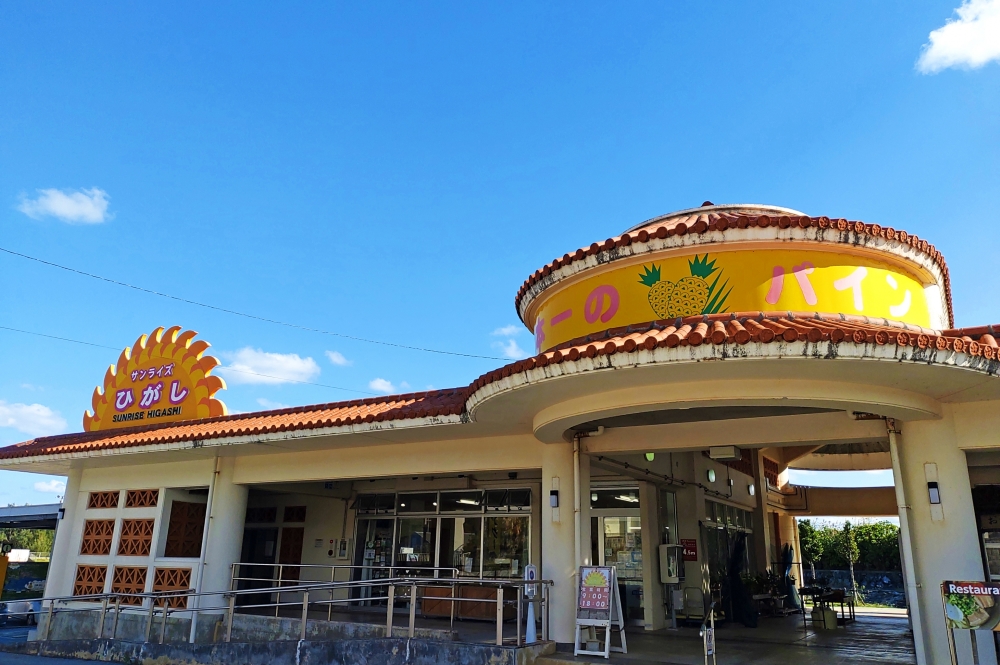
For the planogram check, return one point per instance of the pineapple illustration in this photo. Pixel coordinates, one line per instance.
(690, 295)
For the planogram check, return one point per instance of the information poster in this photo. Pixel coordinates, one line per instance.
(971, 605)
(595, 590)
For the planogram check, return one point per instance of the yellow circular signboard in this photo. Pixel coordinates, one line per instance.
(728, 281)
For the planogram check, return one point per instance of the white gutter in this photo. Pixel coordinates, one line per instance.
(204, 546)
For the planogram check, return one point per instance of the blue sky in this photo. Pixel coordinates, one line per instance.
(395, 171)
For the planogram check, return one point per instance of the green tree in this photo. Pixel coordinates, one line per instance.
(36, 540)
(878, 543)
(849, 550)
(811, 544)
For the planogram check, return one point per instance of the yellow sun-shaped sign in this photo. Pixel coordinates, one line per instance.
(164, 377)
(595, 578)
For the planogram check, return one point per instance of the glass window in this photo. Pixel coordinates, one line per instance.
(731, 515)
(519, 499)
(415, 544)
(614, 498)
(623, 546)
(496, 500)
(668, 517)
(461, 502)
(460, 544)
(505, 546)
(385, 503)
(365, 504)
(425, 502)
(710, 510)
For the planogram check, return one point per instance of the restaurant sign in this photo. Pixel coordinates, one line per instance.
(163, 377)
(971, 605)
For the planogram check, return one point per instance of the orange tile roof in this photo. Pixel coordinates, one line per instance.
(744, 327)
(737, 328)
(355, 412)
(704, 222)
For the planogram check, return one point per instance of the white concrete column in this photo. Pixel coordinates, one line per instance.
(558, 540)
(761, 519)
(59, 581)
(585, 531)
(225, 531)
(944, 538)
(654, 614)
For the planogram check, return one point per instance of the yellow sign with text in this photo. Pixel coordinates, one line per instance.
(717, 282)
(164, 377)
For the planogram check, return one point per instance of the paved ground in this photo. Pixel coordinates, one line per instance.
(873, 640)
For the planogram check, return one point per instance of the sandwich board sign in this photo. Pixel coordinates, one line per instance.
(599, 605)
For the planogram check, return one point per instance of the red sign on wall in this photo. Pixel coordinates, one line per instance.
(690, 546)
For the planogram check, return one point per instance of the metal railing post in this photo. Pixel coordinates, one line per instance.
(329, 608)
(149, 618)
(104, 612)
(388, 612)
(114, 626)
(413, 609)
(163, 624)
(305, 614)
(520, 604)
(231, 614)
(545, 615)
(281, 577)
(454, 588)
(499, 616)
(48, 624)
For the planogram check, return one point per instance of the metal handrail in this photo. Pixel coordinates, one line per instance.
(707, 633)
(708, 614)
(163, 598)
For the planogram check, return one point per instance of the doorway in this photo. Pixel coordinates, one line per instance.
(616, 539)
(373, 551)
(291, 552)
(259, 547)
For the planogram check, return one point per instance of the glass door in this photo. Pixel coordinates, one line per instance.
(461, 539)
(991, 544)
(505, 547)
(416, 543)
(621, 547)
(374, 551)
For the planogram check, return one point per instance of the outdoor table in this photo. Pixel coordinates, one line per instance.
(826, 598)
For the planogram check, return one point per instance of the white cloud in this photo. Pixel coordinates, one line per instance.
(337, 358)
(269, 404)
(88, 206)
(382, 386)
(254, 366)
(508, 331)
(511, 349)
(968, 42)
(32, 419)
(50, 486)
